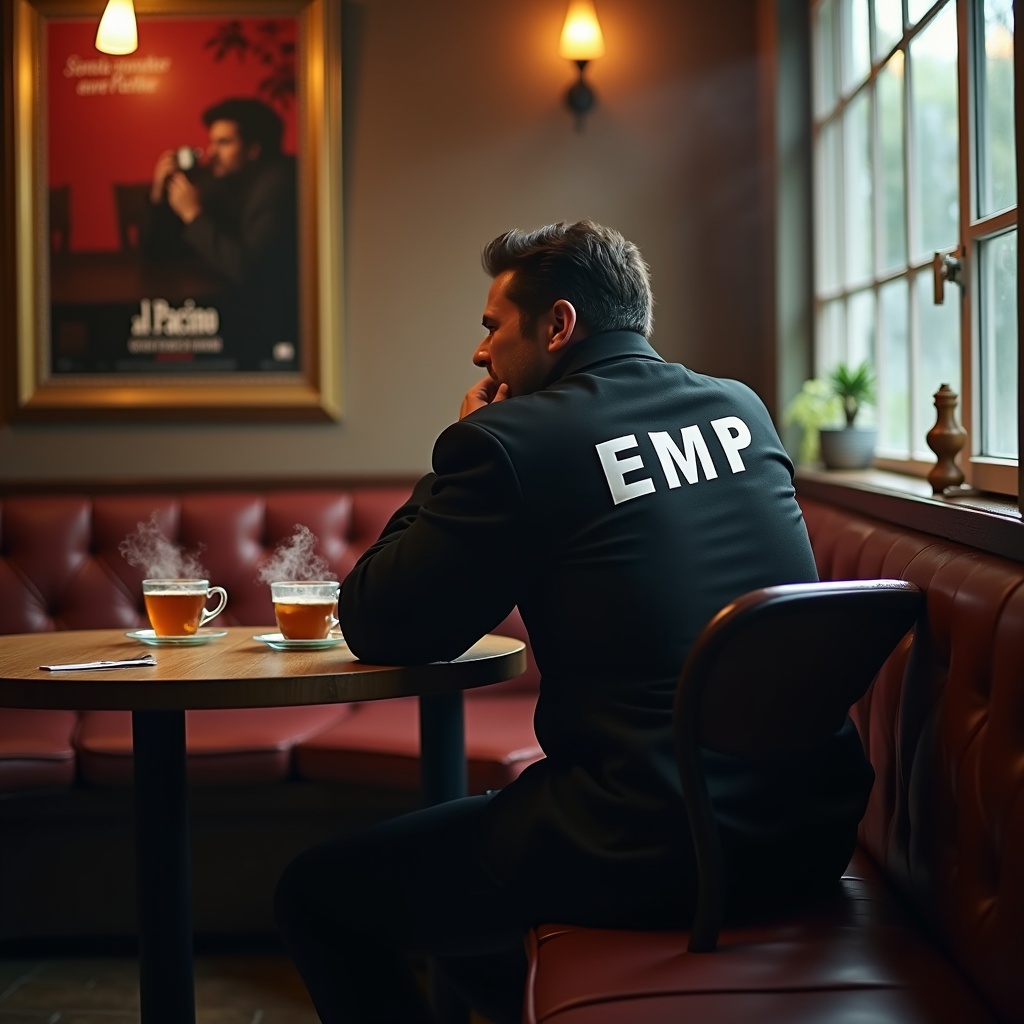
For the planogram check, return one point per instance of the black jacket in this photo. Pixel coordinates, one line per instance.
(619, 507)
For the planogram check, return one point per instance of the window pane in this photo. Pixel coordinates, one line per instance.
(860, 340)
(938, 348)
(997, 265)
(888, 25)
(934, 124)
(829, 349)
(894, 369)
(826, 81)
(892, 224)
(858, 188)
(917, 9)
(827, 226)
(854, 43)
(997, 177)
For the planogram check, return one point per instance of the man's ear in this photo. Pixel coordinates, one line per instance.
(563, 324)
(253, 151)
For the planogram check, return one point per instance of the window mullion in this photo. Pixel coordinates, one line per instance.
(970, 413)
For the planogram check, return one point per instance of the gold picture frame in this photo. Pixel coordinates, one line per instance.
(37, 384)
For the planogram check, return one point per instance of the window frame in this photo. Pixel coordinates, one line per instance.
(1002, 476)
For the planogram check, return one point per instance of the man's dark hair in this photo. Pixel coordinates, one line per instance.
(595, 268)
(256, 122)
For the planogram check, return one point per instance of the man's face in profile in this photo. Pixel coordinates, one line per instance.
(227, 153)
(510, 357)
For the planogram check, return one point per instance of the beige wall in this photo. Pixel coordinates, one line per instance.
(455, 130)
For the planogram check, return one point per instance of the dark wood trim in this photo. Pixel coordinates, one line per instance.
(981, 522)
(200, 485)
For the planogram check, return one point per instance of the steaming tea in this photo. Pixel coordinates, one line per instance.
(305, 610)
(178, 607)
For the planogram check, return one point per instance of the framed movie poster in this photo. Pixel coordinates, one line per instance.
(175, 214)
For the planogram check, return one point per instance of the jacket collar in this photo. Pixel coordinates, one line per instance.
(600, 348)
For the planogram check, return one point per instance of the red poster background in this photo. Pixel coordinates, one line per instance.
(109, 118)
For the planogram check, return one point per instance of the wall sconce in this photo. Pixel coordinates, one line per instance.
(118, 32)
(581, 42)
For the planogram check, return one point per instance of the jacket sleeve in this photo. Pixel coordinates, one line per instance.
(448, 566)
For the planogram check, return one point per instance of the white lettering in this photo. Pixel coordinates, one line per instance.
(733, 435)
(615, 469)
(92, 87)
(158, 316)
(694, 456)
(123, 75)
(694, 448)
(141, 322)
(75, 67)
(151, 65)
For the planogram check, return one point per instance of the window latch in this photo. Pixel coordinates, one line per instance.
(946, 267)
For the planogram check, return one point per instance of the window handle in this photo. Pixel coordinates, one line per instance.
(946, 267)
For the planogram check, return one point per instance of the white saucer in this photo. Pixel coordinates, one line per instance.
(147, 636)
(281, 643)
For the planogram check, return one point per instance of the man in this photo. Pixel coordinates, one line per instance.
(619, 501)
(237, 214)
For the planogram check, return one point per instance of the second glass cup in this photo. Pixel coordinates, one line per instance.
(305, 609)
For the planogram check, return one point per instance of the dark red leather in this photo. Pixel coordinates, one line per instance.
(249, 746)
(946, 818)
(61, 568)
(36, 750)
(931, 930)
(857, 959)
(380, 741)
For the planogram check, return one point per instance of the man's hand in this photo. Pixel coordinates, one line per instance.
(482, 393)
(183, 197)
(166, 165)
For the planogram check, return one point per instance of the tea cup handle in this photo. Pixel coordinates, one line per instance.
(212, 613)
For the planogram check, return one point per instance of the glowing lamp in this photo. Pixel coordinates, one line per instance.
(118, 32)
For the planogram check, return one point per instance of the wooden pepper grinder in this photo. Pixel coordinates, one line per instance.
(946, 439)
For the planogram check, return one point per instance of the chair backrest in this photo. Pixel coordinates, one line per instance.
(131, 200)
(793, 659)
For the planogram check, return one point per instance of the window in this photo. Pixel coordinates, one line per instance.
(915, 219)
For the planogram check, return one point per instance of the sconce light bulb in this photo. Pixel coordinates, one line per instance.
(118, 32)
(581, 32)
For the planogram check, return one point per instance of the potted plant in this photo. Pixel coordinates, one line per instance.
(827, 412)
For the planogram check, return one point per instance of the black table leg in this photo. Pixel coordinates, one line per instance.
(164, 866)
(443, 777)
(442, 747)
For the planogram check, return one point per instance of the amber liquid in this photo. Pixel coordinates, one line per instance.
(304, 620)
(175, 612)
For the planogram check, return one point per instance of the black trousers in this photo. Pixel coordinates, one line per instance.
(352, 911)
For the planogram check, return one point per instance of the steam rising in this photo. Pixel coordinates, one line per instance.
(158, 557)
(296, 559)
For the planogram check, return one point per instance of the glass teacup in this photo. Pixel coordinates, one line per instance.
(305, 609)
(178, 607)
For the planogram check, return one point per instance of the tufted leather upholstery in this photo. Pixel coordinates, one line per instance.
(266, 783)
(61, 568)
(946, 737)
(929, 925)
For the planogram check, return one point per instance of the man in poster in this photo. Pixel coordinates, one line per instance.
(236, 213)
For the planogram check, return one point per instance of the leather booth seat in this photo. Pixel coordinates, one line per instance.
(298, 774)
(928, 925)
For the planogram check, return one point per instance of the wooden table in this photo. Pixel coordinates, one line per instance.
(234, 671)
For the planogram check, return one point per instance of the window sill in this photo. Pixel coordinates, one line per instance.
(981, 521)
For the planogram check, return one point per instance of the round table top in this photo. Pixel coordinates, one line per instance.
(232, 671)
